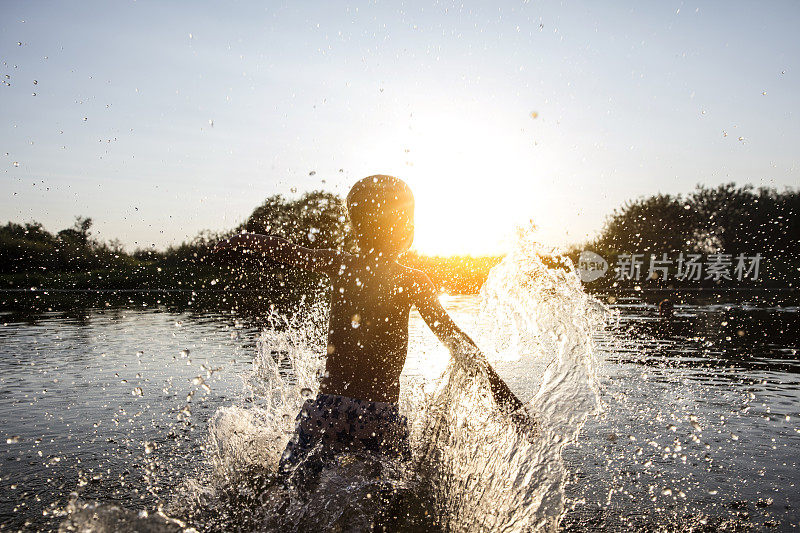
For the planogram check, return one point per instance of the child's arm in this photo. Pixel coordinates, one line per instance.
(282, 251)
(435, 315)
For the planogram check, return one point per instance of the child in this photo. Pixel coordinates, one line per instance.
(356, 408)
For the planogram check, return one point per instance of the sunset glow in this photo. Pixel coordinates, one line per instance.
(462, 170)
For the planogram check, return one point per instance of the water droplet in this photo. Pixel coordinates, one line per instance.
(306, 392)
(355, 320)
(149, 448)
(35, 82)
(312, 173)
(293, 189)
(734, 436)
(764, 502)
(184, 353)
(15, 163)
(137, 391)
(13, 440)
(666, 492)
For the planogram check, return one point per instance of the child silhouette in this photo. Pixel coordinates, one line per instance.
(373, 293)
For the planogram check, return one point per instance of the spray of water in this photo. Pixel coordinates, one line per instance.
(487, 472)
(473, 468)
(245, 441)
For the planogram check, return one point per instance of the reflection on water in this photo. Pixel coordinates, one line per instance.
(88, 399)
(699, 423)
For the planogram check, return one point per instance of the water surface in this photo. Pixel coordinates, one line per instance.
(700, 421)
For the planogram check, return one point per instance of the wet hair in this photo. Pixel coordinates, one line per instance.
(381, 210)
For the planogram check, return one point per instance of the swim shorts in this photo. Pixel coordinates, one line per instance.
(333, 424)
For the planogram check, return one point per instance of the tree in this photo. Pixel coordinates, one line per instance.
(726, 219)
(79, 232)
(660, 223)
(317, 219)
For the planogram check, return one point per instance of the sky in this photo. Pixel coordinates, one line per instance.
(161, 119)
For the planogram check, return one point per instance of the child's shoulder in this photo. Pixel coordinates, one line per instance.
(403, 275)
(412, 277)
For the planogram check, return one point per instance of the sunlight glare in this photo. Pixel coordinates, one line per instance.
(461, 171)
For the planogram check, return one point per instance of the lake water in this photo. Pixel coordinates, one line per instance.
(700, 419)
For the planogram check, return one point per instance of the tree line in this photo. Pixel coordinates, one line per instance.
(72, 258)
(727, 219)
(29, 247)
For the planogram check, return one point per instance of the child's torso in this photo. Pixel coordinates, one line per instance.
(368, 331)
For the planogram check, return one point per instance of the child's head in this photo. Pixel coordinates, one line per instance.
(381, 210)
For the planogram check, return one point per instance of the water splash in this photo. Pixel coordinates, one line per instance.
(487, 472)
(473, 468)
(245, 441)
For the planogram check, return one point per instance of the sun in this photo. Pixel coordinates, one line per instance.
(466, 178)
(475, 176)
